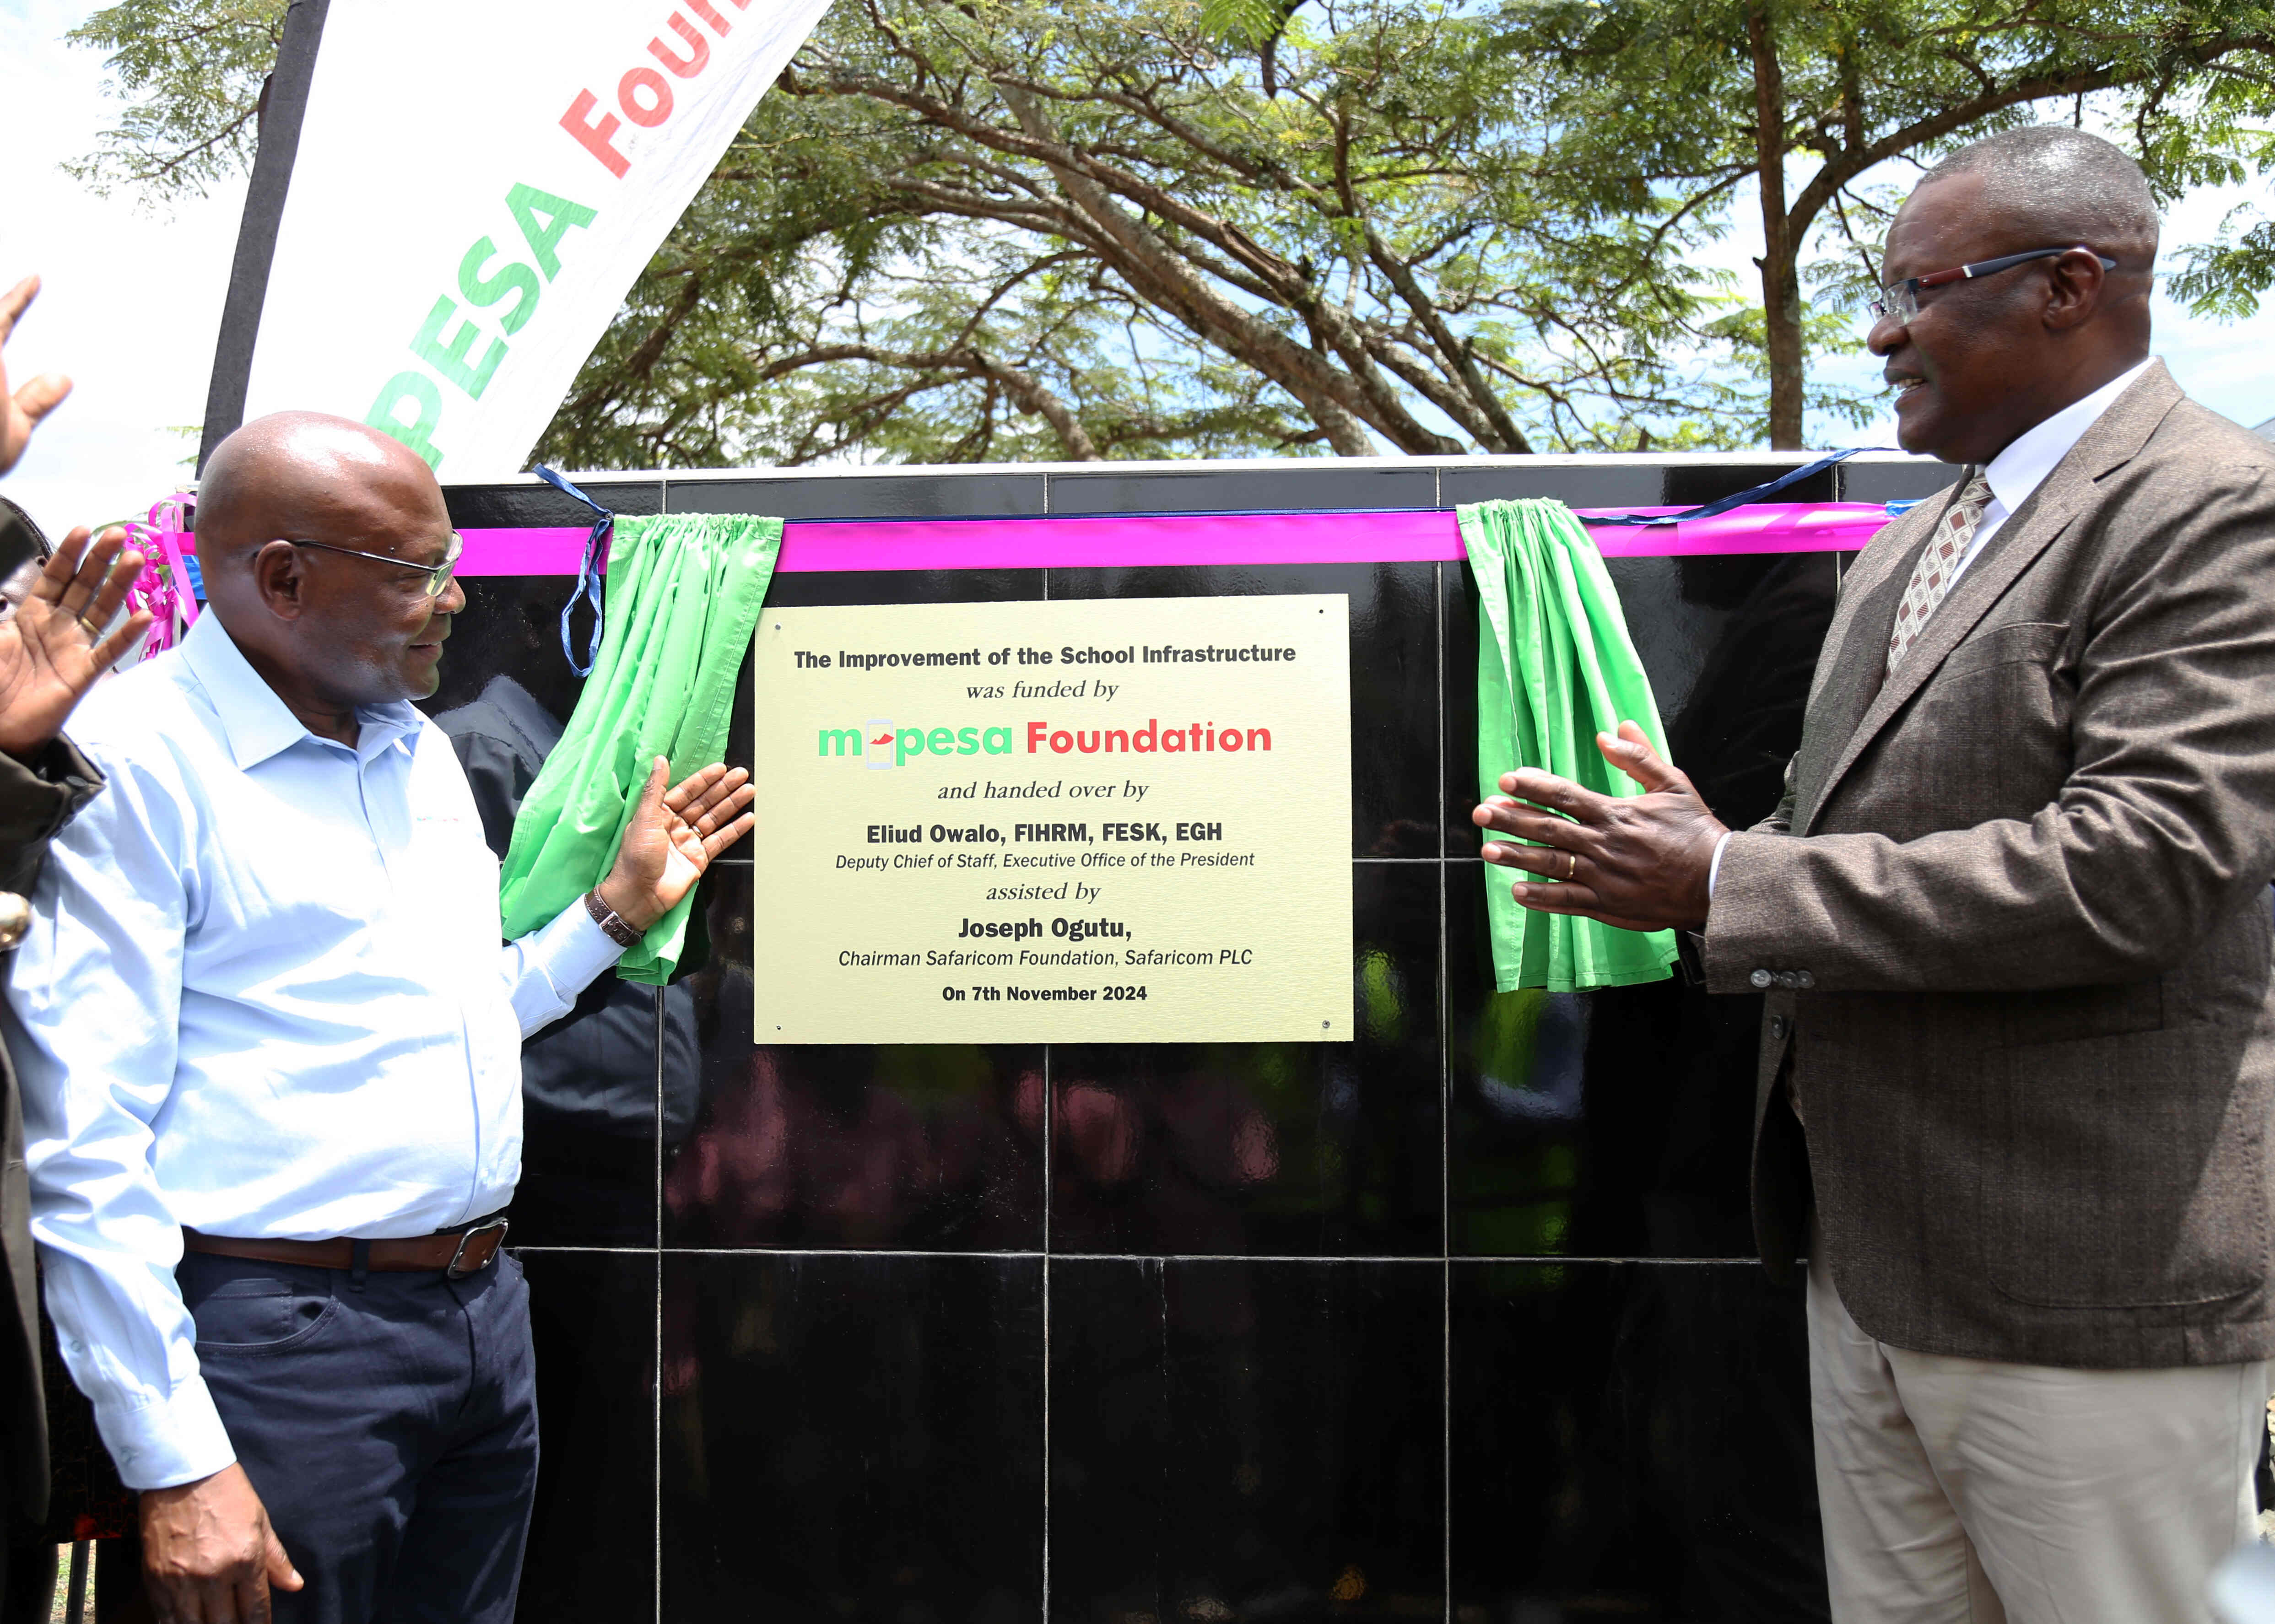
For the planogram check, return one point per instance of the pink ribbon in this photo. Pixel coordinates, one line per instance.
(164, 586)
(1124, 542)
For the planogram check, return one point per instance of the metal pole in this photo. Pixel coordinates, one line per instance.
(75, 1602)
(264, 209)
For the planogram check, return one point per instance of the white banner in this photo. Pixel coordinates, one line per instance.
(477, 185)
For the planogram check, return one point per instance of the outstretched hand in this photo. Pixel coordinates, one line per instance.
(672, 838)
(20, 412)
(52, 648)
(1640, 862)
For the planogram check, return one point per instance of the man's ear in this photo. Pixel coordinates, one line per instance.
(281, 580)
(2076, 290)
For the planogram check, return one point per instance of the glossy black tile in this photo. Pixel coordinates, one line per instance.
(867, 495)
(1689, 483)
(1602, 484)
(1616, 1123)
(1737, 721)
(1394, 676)
(903, 1147)
(589, 1115)
(1728, 642)
(589, 1097)
(1457, 596)
(499, 507)
(1310, 487)
(510, 627)
(1631, 1441)
(1895, 481)
(852, 1438)
(591, 1540)
(796, 588)
(1237, 1439)
(1269, 1149)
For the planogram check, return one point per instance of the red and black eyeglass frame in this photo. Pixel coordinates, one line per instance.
(1900, 299)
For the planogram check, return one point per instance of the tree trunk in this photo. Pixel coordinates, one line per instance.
(1780, 248)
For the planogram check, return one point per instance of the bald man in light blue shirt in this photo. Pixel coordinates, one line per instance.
(270, 1043)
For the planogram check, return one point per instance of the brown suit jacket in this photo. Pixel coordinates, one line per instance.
(2016, 908)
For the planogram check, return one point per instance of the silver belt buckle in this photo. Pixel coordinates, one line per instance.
(454, 1269)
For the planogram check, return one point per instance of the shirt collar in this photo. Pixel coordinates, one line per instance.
(2023, 466)
(257, 723)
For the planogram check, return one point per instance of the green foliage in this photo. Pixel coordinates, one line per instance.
(1003, 229)
(1648, 101)
(192, 73)
(2225, 278)
(1011, 229)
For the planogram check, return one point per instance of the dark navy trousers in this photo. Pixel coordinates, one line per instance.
(388, 1423)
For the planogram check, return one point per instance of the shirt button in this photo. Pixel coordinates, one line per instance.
(1778, 1026)
(1762, 978)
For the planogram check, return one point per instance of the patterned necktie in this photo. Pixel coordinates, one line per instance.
(1931, 575)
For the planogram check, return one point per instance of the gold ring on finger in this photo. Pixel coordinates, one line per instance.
(94, 631)
(1571, 864)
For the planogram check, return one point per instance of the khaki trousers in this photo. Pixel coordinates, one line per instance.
(1969, 1492)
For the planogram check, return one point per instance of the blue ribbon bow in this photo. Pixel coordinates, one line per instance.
(592, 573)
(1709, 509)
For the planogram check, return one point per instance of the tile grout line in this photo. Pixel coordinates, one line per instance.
(655, 1399)
(1445, 1137)
(1543, 1259)
(1050, 1111)
(655, 1435)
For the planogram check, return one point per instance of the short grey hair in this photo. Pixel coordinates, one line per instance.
(2067, 185)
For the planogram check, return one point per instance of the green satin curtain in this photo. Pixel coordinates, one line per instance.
(682, 606)
(1555, 665)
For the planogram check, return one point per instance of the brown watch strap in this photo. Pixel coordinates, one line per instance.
(610, 921)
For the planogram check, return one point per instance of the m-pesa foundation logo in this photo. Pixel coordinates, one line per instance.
(879, 743)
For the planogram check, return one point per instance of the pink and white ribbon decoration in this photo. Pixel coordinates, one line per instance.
(166, 588)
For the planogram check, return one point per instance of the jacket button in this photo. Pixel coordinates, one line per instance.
(1762, 978)
(1804, 981)
(15, 919)
(1778, 1027)
(1789, 979)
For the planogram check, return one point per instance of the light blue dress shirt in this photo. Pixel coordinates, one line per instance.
(263, 993)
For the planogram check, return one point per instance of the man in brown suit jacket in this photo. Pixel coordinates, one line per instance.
(2018, 1058)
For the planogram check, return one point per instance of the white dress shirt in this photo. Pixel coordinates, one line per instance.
(2013, 476)
(262, 994)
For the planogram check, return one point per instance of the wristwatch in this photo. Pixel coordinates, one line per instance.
(611, 923)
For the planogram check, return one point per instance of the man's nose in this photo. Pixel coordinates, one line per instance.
(1887, 333)
(453, 598)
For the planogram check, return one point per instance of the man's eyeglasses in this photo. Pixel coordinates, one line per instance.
(1900, 299)
(438, 576)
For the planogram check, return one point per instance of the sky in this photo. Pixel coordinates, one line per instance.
(132, 298)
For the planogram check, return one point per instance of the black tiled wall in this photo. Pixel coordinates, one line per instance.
(1457, 1321)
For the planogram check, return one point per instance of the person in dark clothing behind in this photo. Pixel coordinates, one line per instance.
(52, 649)
(590, 1107)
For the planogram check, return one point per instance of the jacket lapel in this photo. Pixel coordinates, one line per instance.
(1847, 675)
(2112, 441)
